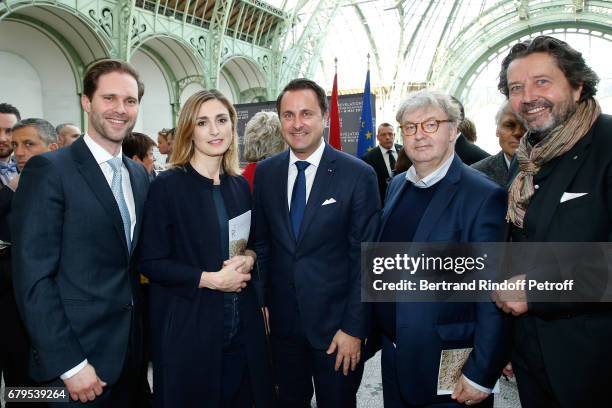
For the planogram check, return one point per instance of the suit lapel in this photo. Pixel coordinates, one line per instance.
(280, 173)
(91, 172)
(564, 174)
(390, 205)
(380, 161)
(320, 188)
(439, 202)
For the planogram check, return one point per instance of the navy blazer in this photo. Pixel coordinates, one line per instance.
(466, 207)
(319, 275)
(74, 279)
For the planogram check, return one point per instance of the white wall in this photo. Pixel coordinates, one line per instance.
(188, 91)
(20, 85)
(155, 110)
(35, 76)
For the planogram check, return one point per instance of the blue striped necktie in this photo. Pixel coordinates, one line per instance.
(117, 189)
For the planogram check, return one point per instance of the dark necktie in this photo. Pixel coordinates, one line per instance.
(391, 160)
(298, 198)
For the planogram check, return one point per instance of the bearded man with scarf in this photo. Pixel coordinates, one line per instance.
(561, 192)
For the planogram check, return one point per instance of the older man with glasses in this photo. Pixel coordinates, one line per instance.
(439, 199)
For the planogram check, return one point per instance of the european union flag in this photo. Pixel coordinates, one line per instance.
(366, 130)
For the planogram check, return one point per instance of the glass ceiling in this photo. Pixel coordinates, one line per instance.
(402, 38)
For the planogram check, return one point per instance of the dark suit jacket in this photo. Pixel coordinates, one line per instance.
(579, 378)
(468, 152)
(319, 275)
(72, 272)
(495, 167)
(375, 159)
(466, 207)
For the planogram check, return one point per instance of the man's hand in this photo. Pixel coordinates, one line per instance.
(85, 385)
(349, 351)
(464, 393)
(511, 301)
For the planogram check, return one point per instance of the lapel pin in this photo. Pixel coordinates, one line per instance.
(575, 157)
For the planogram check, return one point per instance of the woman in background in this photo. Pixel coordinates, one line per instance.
(262, 139)
(209, 345)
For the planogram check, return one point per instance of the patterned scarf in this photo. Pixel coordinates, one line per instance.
(531, 158)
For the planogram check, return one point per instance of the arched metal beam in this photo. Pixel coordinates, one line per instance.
(494, 28)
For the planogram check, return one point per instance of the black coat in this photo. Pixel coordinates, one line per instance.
(468, 152)
(495, 167)
(375, 159)
(180, 240)
(573, 338)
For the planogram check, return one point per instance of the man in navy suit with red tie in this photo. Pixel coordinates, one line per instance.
(313, 206)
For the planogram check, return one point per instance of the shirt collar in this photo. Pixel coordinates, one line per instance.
(432, 178)
(314, 159)
(99, 153)
(506, 160)
(384, 151)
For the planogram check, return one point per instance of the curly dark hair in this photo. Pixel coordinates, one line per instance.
(569, 61)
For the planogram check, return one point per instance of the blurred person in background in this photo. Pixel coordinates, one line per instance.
(67, 133)
(9, 115)
(139, 147)
(262, 139)
(509, 132)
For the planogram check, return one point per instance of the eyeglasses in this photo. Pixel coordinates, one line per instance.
(429, 126)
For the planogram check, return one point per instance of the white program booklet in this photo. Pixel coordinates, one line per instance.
(239, 228)
(451, 363)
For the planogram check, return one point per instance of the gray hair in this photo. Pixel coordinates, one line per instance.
(61, 126)
(505, 107)
(45, 130)
(426, 98)
(263, 137)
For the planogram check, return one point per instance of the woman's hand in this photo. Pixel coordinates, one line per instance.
(228, 279)
(248, 260)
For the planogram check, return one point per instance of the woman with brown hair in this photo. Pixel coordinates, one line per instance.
(209, 345)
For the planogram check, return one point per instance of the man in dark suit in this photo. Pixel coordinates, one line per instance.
(383, 157)
(29, 137)
(313, 206)
(439, 199)
(468, 152)
(75, 223)
(560, 192)
(509, 132)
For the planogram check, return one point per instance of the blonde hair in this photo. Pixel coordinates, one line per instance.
(182, 147)
(263, 137)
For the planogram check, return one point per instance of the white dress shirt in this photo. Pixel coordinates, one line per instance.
(432, 178)
(507, 160)
(314, 159)
(102, 157)
(386, 157)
